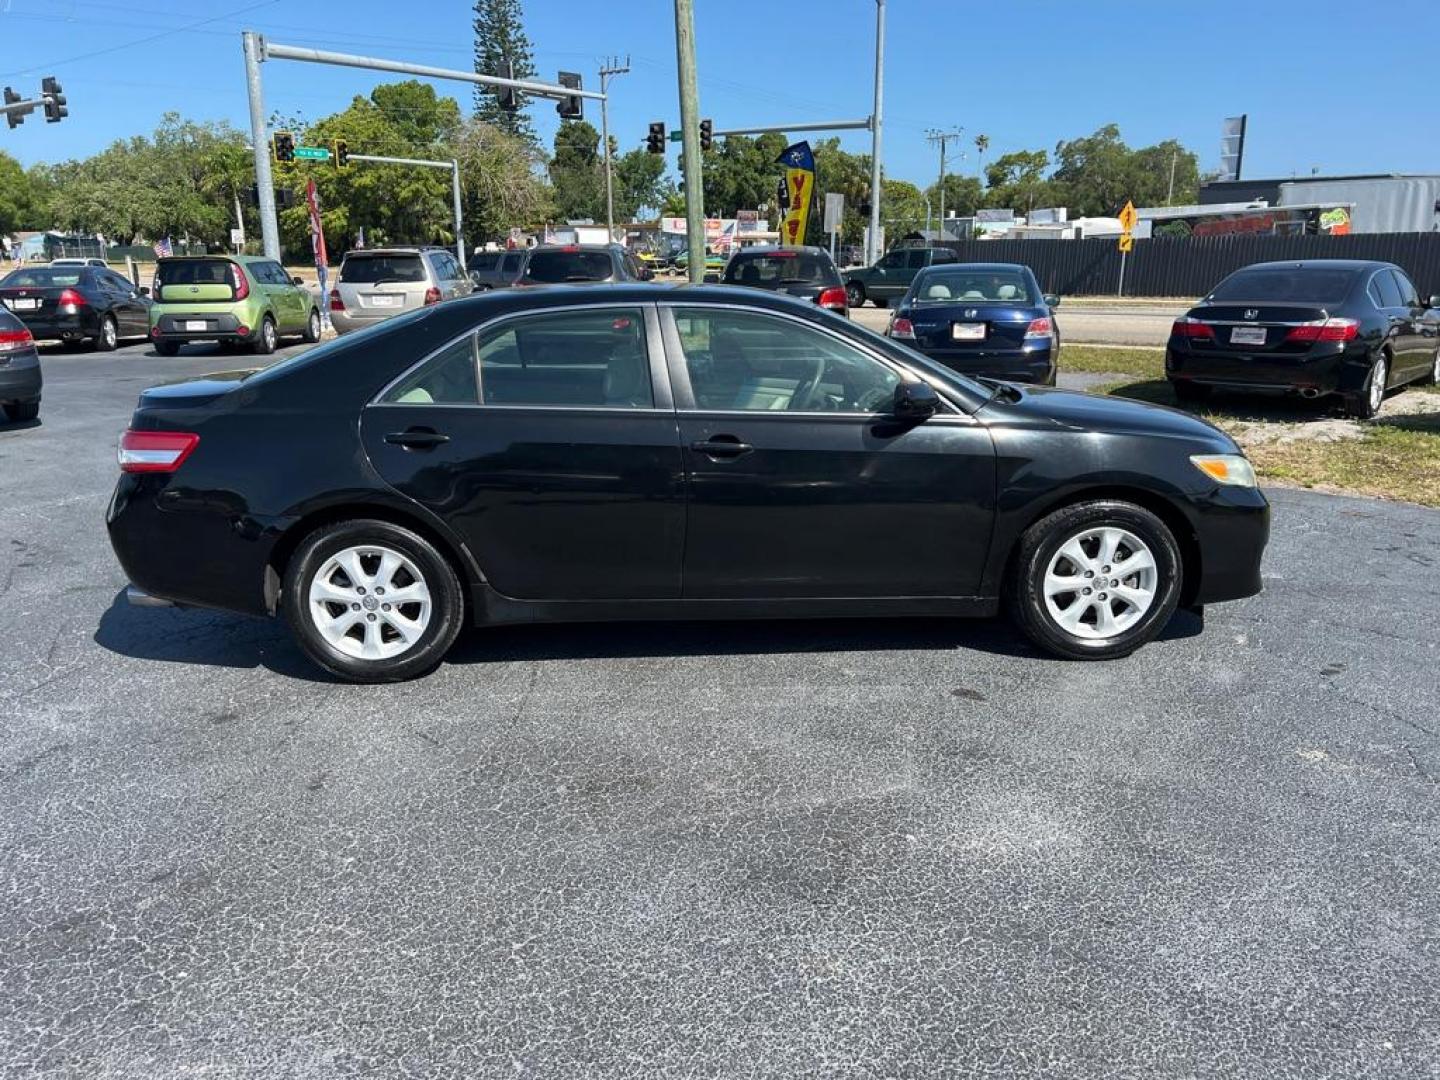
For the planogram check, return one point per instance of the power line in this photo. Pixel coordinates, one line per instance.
(936, 137)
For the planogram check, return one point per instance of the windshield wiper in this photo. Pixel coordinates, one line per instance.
(1001, 389)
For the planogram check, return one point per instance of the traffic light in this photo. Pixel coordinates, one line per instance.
(55, 108)
(284, 146)
(655, 141)
(707, 134)
(571, 106)
(342, 154)
(507, 97)
(14, 119)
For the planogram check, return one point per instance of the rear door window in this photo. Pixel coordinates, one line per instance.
(485, 261)
(554, 267)
(382, 269)
(1389, 290)
(585, 359)
(447, 378)
(511, 263)
(1408, 296)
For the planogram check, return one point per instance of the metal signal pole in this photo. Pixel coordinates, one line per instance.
(690, 138)
(608, 68)
(873, 244)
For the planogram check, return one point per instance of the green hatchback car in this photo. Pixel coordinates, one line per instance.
(232, 299)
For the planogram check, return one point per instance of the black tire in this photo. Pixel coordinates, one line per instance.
(167, 348)
(1365, 404)
(266, 337)
(109, 336)
(439, 577)
(880, 301)
(18, 412)
(1041, 544)
(1432, 377)
(312, 327)
(855, 294)
(1185, 390)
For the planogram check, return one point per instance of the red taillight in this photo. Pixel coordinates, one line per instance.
(242, 330)
(336, 304)
(239, 281)
(71, 298)
(15, 340)
(1039, 328)
(1325, 330)
(432, 295)
(571, 247)
(1192, 328)
(902, 328)
(155, 451)
(834, 299)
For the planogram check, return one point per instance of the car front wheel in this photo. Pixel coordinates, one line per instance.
(312, 327)
(372, 602)
(1095, 581)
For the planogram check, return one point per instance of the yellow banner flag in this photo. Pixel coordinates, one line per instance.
(799, 165)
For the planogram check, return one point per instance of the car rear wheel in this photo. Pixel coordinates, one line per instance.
(18, 412)
(167, 348)
(855, 294)
(1366, 404)
(1185, 390)
(267, 338)
(372, 602)
(312, 327)
(109, 336)
(1095, 581)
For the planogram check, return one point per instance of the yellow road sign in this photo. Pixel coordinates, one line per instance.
(1128, 217)
(1127, 242)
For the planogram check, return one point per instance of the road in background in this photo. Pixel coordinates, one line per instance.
(896, 847)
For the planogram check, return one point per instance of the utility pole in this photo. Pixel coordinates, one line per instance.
(1170, 192)
(933, 137)
(609, 67)
(690, 137)
(873, 244)
(264, 180)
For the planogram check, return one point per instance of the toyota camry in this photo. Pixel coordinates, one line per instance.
(630, 452)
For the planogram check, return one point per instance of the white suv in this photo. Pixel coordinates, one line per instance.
(376, 283)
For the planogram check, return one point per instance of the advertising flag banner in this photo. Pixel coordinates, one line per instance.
(799, 182)
(317, 245)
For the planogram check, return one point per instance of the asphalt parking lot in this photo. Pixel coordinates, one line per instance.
(891, 848)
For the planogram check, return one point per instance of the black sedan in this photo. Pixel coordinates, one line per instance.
(806, 272)
(77, 303)
(1315, 328)
(643, 452)
(20, 380)
(982, 319)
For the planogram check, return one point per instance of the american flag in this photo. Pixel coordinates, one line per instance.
(164, 249)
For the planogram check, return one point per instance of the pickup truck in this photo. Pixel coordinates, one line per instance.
(889, 278)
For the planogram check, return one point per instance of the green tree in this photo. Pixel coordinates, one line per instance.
(963, 195)
(902, 208)
(1093, 172)
(499, 36)
(21, 197)
(1151, 172)
(1017, 180)
(640, 184)
(576, 172)
(501, 185)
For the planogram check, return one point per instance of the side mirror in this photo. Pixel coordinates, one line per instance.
(1051, 300)
(1435, 301)
(915, 401)
(297, 281)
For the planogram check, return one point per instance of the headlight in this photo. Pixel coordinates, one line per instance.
(1226, 468)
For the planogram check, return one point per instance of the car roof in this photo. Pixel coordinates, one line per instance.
(574, 247)
(808, 249)
(1318, 264)
(979, 266)
(398, 249)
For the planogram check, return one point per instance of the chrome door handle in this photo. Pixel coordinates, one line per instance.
(722, 446)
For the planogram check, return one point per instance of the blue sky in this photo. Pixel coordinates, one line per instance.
(1027, 73)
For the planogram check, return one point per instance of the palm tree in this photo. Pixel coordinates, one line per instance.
(982, 143)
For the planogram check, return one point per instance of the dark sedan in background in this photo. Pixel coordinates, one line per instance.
(77, 303)
(644, 452)
(1318, 327)
(805, 272)
(987, 320)
(20, 381)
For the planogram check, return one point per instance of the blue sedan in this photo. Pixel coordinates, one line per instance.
(981, 319)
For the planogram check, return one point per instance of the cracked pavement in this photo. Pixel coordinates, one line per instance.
(884, 849)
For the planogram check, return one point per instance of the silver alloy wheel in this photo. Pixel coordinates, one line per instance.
(1435, 369)
(315, 325)
(109, 333)
(1100, 583)
(267, 335)
(370, 602)
(1377, 384)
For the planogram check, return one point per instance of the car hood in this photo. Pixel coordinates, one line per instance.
(1112, 415)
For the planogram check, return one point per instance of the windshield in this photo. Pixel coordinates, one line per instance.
(381, 269)
(42, 277)
(1290, 284)
(776, 268)
(556, 266)
(969, 285)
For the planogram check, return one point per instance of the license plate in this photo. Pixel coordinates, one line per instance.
(384, 301)
(194, 325)
(967, 331)
(25, 305)
(1247, 335)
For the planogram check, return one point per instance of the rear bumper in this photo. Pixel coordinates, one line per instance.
(346, 321)
(21, 381)
(1341, 371)
(83, 322)
(1032, 365)
(219, 326)
(1232, 527)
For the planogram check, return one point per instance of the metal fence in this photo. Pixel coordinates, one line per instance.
(1192, 267)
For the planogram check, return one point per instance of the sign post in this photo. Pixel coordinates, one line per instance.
(1128, 217)
(834, 215)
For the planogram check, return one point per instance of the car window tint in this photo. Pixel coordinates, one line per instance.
(1408, 296)
(556, 266)
(1374, 290)
(1389, 290)
(446, 268)
(589, 359)
(777, 268)
(194, 272)
(485, 261)
(738, 360)
(511, 263)
(997, 285)
(893, 261)
(1313, 285)
(382, 269)
(916, 258)
(42, 278)
(447, 378)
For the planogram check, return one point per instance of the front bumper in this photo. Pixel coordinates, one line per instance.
(21, 381)
(1232, 527)
(1342, 370)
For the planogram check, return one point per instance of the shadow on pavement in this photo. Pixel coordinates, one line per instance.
(19, 425)
(195, 636)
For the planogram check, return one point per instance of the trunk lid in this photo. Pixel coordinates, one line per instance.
(970, 328)
(199, 280)
(1254, 328)
(188, 393)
